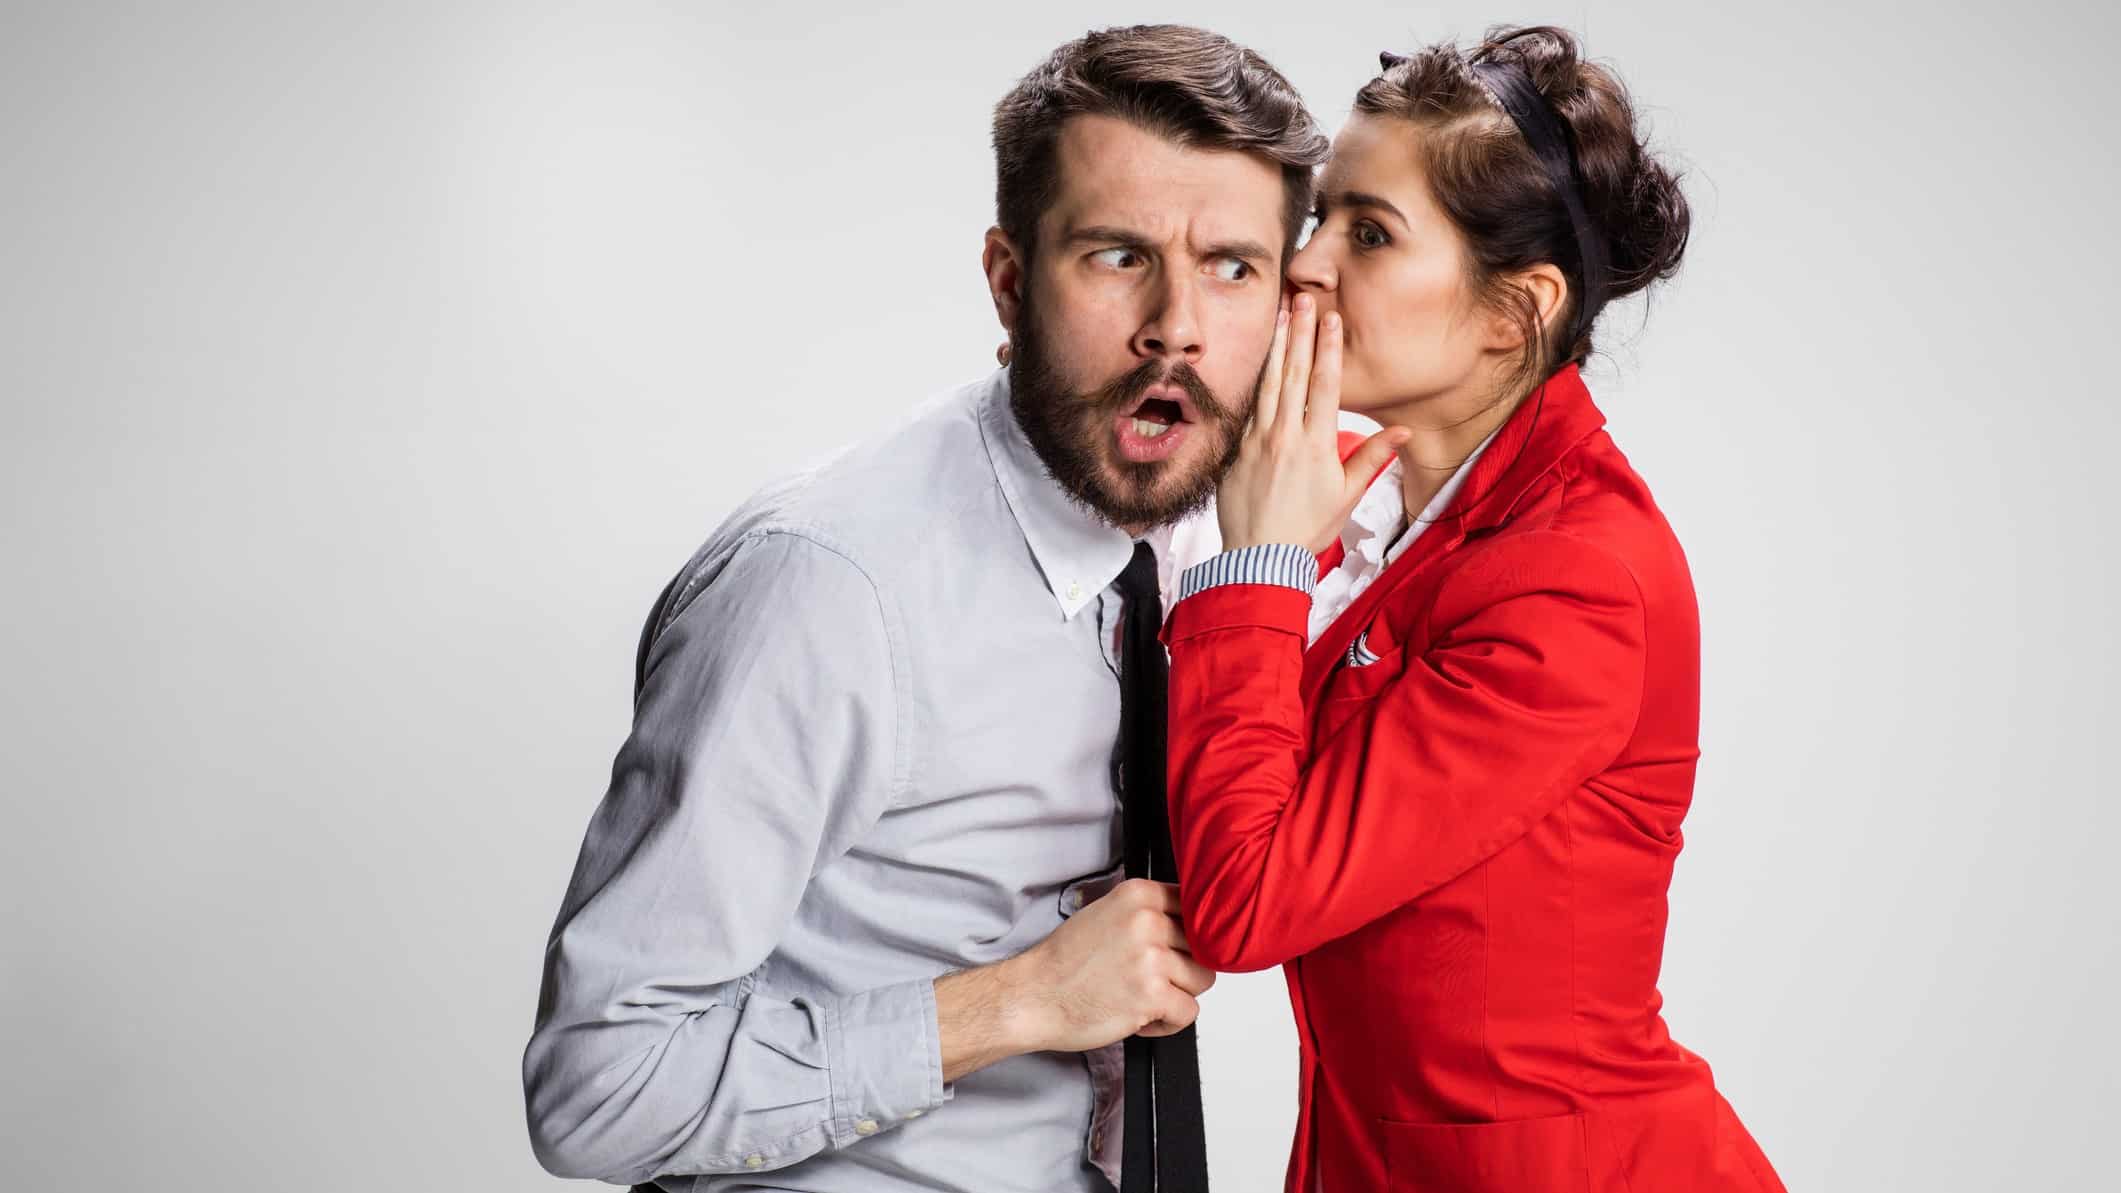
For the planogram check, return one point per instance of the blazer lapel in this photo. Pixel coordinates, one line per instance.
(1543, 429)
(1325, 655)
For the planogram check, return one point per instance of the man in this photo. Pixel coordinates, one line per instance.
(837, 924)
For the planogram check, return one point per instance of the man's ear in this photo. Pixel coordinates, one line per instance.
(1547, 288)
(1004, 265)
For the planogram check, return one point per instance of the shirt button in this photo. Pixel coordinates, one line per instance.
(865, 1127)
(1075, 591)
(1097, 1141)
(754, 1160)
(915, 1113)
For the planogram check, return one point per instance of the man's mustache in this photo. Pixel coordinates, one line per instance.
(1121, 393)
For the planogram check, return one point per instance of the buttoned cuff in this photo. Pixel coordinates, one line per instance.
(885, 1059)
(1290, 565)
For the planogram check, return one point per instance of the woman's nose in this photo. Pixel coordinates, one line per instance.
(1312, 269)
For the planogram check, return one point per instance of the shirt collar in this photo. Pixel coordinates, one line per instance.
(1377, 518)
(1079, 553)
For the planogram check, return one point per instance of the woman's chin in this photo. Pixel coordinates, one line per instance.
(1359, 402)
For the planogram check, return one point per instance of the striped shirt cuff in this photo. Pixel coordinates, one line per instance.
(1291, 565)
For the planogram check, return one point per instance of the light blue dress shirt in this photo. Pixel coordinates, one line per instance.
(873, 743)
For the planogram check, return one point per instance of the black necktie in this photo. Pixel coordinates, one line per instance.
(1165, 1148)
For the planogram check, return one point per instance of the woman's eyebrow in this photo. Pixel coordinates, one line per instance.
(1366, 199)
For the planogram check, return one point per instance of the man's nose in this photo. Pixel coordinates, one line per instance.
(1172, 329)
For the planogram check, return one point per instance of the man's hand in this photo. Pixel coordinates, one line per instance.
(1117, 968)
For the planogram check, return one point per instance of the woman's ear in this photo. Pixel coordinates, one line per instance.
(1004, 266)
(1548, 289)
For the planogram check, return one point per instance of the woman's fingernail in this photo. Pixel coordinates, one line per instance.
(1303, 302)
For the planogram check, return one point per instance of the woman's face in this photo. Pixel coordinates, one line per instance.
(1390, 261)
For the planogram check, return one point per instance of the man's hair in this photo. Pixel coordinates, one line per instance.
(1199, 89)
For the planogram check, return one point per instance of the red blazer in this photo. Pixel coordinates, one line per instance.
(1460, 851)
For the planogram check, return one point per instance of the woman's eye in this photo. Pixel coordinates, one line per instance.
(1116, 258)
(1230, 269)
(1370, 236)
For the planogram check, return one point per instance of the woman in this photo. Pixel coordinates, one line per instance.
(1452, 812)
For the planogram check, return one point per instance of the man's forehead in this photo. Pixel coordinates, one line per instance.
(1113, 173)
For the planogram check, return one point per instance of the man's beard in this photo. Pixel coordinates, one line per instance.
(1072, 434)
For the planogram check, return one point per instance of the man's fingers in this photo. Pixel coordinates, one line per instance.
(1170, 935)
(1176, 1014)
(1190, 975)
(1162, 896)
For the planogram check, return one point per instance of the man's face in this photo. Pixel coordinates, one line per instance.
(1145, 317)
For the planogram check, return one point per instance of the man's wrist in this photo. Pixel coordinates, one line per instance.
(984, 1016)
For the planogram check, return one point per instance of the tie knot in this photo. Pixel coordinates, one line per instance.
(1138, 581)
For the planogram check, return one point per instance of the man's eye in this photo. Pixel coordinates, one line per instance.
(1370, 236)
(1230, 269)
(1117, 258)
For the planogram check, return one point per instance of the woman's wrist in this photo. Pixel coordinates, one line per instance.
(1289, 565)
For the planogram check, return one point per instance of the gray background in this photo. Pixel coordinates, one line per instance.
(367, 369)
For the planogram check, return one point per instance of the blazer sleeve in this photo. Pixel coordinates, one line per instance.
(1531, 684)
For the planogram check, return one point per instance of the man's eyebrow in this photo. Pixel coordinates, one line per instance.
(1107, 234)
(1243, 250)
(1365, 199)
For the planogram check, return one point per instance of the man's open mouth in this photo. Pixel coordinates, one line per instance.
(1155, 413)
(1154, 427)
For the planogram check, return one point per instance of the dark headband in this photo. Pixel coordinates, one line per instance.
(1513, 89)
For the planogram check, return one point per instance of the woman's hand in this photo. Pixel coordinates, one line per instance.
(1289, 484)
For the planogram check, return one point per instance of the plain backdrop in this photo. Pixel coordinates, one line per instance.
(367, 368)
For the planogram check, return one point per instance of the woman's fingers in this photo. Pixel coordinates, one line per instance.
(1270, 377)
(1322, 413)
(1365, 462)
(1296, 375)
